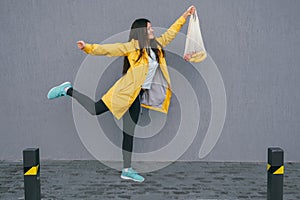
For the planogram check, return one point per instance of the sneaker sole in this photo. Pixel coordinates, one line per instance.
(128, 178)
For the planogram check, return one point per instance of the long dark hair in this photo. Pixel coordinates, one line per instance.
(139, 32)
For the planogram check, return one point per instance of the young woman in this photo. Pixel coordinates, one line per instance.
(145, 81)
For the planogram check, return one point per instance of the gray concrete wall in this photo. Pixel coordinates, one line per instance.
(255, 44)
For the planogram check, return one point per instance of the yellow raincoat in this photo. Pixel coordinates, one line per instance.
(122, 94)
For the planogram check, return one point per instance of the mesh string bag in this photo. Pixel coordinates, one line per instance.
(194, 46)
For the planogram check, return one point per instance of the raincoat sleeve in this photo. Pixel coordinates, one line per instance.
(171, 33)
(117, 49)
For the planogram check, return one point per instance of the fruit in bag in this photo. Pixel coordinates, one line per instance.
(194, 47)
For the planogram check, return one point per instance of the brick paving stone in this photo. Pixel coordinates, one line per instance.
(92, 180)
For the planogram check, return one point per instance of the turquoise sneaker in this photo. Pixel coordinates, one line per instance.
(59, 91)
(131, 175)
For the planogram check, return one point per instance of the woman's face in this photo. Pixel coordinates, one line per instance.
(150, 31)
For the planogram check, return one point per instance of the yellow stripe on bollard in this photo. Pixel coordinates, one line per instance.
(280, 170)
(32, 171)
(275, 169)
(268, 167)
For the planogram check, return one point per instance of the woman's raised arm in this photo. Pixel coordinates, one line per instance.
(171, 33)
(117, 49)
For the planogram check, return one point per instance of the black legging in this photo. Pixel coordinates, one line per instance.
(129, 120)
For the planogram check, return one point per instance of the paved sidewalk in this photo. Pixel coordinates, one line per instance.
(181, 180)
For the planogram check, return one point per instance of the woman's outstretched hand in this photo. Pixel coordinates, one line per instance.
(189, 11)
(80, 44)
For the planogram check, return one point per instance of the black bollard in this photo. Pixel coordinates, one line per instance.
(275, 173)
(31, 164)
